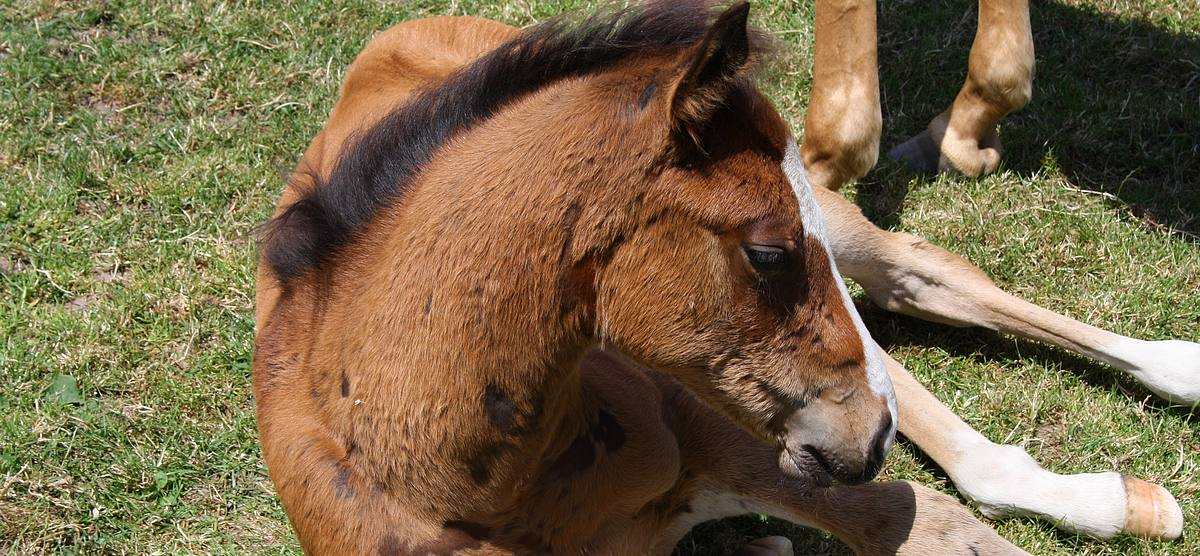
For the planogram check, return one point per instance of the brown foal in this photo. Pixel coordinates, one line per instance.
(486, 216)
(498, 234)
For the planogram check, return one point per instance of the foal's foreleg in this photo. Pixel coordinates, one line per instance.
(841, 129)
(999, 81)
(909, 275)
(1003, 480)
(732, 473)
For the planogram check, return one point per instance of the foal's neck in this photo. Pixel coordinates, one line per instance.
(471, 313)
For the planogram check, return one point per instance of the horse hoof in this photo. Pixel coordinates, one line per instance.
(1150, 511)
(939, 149)
(919, 153)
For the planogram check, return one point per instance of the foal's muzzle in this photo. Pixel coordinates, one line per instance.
(839, 439)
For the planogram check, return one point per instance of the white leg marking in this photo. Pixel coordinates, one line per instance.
(1169, 368)
(1004, 480)
(814, 226)
(707, 505)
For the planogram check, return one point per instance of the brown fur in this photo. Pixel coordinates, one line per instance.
(609, 456)
(431, 390)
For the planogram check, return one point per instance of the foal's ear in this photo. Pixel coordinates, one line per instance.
(709, 72)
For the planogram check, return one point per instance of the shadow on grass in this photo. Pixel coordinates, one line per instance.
(1116, 104)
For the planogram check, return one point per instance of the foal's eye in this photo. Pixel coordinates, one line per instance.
(766, 258)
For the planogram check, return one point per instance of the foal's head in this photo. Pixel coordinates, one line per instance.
(653, 201)
(728, 283)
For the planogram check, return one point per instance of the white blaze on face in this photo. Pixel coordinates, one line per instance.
(814, 227)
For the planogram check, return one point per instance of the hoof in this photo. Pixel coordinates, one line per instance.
(768, 546)
(940, 149)
(1150, 511)
(919, 153)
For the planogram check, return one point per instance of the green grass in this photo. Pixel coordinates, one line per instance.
(141, 142)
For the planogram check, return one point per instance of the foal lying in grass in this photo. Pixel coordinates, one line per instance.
(479, 218)
(498, 235)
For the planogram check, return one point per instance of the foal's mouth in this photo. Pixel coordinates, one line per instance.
(810, 463)
(807, 465)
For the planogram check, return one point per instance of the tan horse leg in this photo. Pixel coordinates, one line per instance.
(906, 274)
(841, 129)
(735, 474)
(999, 80)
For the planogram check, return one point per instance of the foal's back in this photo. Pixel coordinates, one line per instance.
(395, 63)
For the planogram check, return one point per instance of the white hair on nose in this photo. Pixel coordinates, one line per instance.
(814, 227)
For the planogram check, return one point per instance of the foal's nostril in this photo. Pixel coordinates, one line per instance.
(818, 436)
(878, 451)
(879, 445)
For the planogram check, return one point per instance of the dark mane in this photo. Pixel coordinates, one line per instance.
(380, 166)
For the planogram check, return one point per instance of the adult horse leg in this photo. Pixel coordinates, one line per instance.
(906, 274)
(841, 129)
(727, 472)
(999, 81)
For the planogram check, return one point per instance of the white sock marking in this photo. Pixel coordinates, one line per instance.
(1169, 368)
